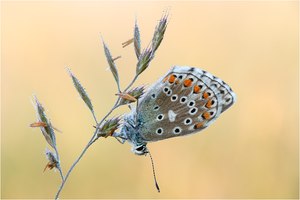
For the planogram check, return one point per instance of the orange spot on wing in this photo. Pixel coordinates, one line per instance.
(205, 95)
(206, 115)
(172, 79)
(199, 125)
(208, 104)
(196, 89)
(187, 83)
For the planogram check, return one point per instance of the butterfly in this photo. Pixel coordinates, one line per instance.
(184, 101)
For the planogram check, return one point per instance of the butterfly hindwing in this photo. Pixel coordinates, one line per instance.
(185, 101)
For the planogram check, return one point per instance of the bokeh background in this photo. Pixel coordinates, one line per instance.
(251, 151)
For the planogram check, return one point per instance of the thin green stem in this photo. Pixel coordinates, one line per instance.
(95, 118)
(85, 149)
(119, 89)
(93, 138)
(71, 169)
(130, 84)
(60, 172)
(59, 167)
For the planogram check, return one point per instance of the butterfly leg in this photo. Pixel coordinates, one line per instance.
(136, 110)
(119, 137)
(121, 140)
(129, 106)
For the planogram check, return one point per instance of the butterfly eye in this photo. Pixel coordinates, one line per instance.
(159, 131)
(160, 117)
(177, 130)
(193, 111)
(183, 99)
(174, 97)
(140, 148)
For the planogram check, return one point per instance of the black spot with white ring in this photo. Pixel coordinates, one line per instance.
(191, 103)
(159, 131)
(183, 99)
(153, 96)
(188, 121)
(156, 107)
(169, 92)
(193, 111)
(166, 89)
(160, 117)
(174, 97)
(177, 130)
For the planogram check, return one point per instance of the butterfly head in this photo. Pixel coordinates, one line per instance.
(140, 149)
(130, 131)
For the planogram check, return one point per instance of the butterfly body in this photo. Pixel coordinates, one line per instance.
(184, 101)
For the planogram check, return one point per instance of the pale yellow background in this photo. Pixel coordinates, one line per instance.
(250, 152)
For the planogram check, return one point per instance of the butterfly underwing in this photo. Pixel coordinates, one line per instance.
(184, 101)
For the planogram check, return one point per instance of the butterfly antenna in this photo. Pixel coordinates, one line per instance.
(153, 170)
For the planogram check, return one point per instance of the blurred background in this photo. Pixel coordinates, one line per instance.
(251, 151)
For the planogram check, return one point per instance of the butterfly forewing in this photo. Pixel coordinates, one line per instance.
(185, 101)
